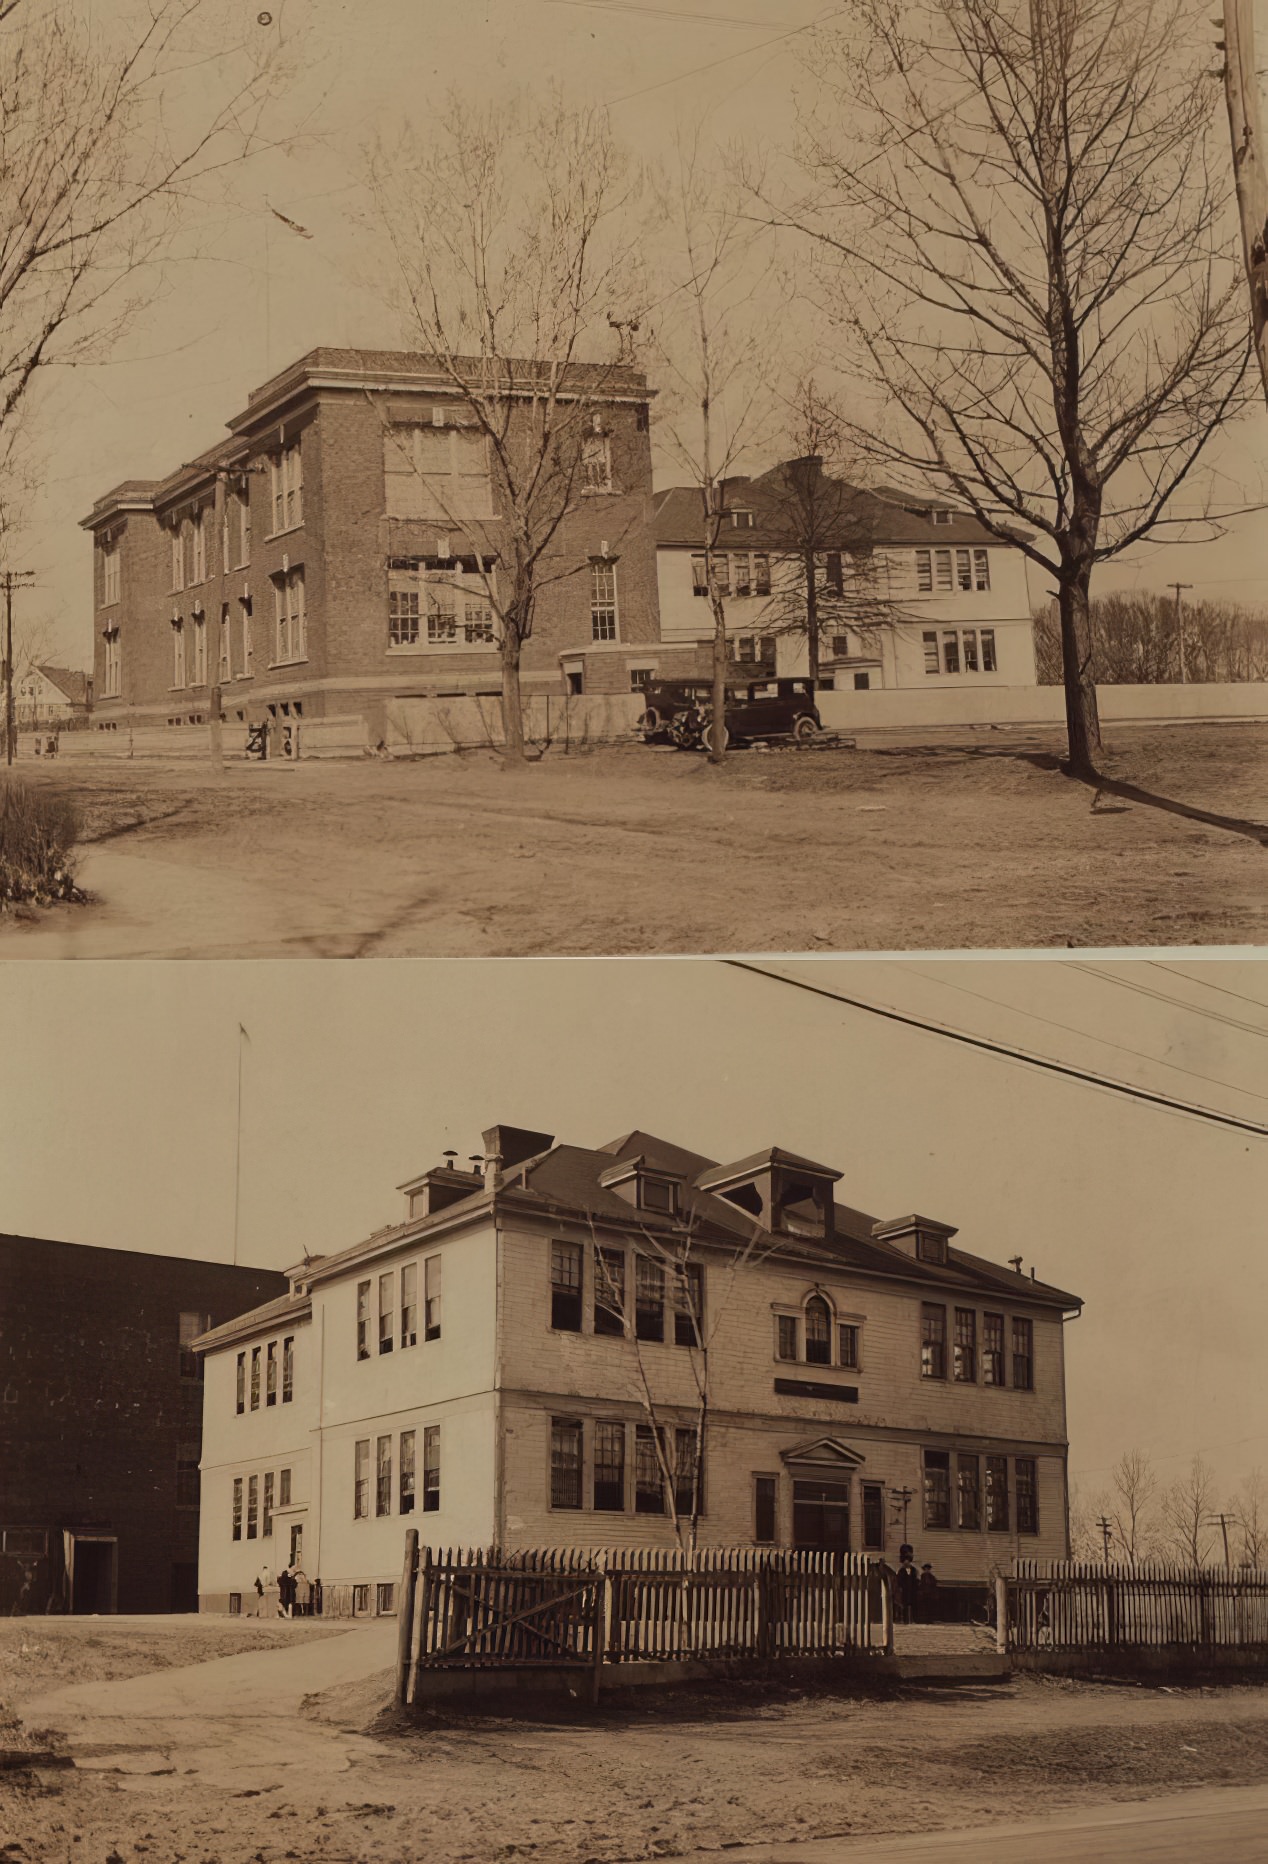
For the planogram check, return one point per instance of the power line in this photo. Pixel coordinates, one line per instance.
(669, 13)
(1207, 984)
(726, 59)
(1161, 996)
(1043, 1062)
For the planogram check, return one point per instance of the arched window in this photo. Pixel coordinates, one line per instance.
(818, 1331)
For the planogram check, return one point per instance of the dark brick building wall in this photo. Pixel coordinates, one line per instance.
(98, 1408)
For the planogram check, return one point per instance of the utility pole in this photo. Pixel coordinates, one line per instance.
(1179, 588)
(1223, 1521)
(1106, 1532)
(1241, 92)
(901, 1499)
(12, 579)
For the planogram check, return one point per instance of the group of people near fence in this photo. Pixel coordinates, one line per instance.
(915, 1593)
(292, 1593)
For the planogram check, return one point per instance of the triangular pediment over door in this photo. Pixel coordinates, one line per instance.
(824, 1453)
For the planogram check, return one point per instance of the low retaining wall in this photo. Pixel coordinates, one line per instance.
(905, 708)
(1187, 1663)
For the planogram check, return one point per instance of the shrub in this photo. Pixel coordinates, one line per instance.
(37, 835)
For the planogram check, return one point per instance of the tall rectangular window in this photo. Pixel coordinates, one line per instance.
(178, 653)
(178, 559)
(383, 1476)
(968, 1493)
(290, 618)
(992, 1349)
(603, 615)
(649, 1480)
(248, 639)
(761, 574)
(924, 573)
(689, 1304)
(981, 569)
(649, 1299)
(699, 575)
(988, 650)
(244, 526)
(189, 1327)
(288, 488)
(387, 1313)
(407, 1472)
(765, 1494)
(565, 1288)
(786, 1336)
(964, 1362)
(1027, 1473)
(932, 663)
(951, 651)
(361, 1480)
(968, 644)
(565, 1462)
(237, 1507)
(242, 1384)
(363, 1320)
(817, 1323)
(1023, 1355)
(253, 1507)
(963, 570)
(270, 1374)
(288, 1368)
(609, 1468)
(848, 1336)
(200, 548)
(933, 1341)
(937, 1488)
(112, 670)
(200, 651)
(409, 1304)
(609, 1291)
(431, 1469)
(266, 1524)
(596, 463)
(741, 574)
(688, 1474)
(873, 1517)
(836, 573)
(255, 1378)
(109, 574)
(997, 1494)
(431, 1298)
(403, 617)
(284, 1488)
(942, 571)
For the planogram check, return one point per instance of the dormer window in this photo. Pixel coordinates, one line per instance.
(931, 1246)
(644, 1186)
(943, 517)
(658, 1194)
(801, 1207)
(741, 520)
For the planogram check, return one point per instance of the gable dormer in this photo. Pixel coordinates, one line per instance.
(788, 1195)
(645, 1186)
(918, 1237)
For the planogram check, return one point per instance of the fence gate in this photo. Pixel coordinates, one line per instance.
(490, 1610)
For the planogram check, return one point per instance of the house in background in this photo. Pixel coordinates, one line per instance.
(327, 558)
(101, 1424)
(58, 697)
(910, 592)
(518, 1362)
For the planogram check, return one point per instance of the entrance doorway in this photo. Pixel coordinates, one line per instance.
(184, 1585)
(821, 1515)
(95, 1578)
(297, 1545)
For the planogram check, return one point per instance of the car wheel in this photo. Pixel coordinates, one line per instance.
(706, 737)
(804, 728)
(649, 724)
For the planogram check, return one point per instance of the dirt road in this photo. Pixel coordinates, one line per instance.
(976, 842)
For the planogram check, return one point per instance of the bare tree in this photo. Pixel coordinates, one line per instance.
(1187, 1507)
(1249, 1510)
(1135, 639)
(1018, 226)
(716, 345)
(1132, 1506)
(510, 223)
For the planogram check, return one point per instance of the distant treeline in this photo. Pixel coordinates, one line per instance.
(1136, 641)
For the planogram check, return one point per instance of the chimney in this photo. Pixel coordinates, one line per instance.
(492, 1170)
(511, 1145)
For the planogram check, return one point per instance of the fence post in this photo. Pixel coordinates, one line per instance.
(1111, 1611)
(1001, 1614)
(600, 1633)
(405, 1617)
(887, 1609)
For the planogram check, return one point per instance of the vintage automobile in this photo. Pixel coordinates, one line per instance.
(682, 710)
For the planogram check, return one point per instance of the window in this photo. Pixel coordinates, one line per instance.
(270, 1374)
(1027, 1495)
(818, 1332)
(988, 651)
(930, 641)
(1023, 1355)
(964, 1359)
(253, 1507)
(942, 517)
(933, 1341)
(284, 1488)
(700, 575)
(596, 463)
(937, 1488)
(237, 1507)
(189, 1328)
(835, 573)
(199, 532)
(649, 1482)
(639, 676)
(741, 575)
(266, 1524)
(924, 573)
(200, 651)
(942, 570)
(178, 653)
(360, 1600)
(409, 1304)
(963, 570)
(109, 574)
(403, 617)
(873, 1517)
(688, 1474)
(968, 1493)
(383, 1476)
(178, 559)
(848, 1335)
(689, 1305)
(431, 1298)
(603, 618)
(649, 1299)
(248, 643)
(997, 1494)
(407, 1472)
(565, 1462)
(951, 651)
(242, 499)
(288, 488)
(981, 569)
(225, 658)
(387, 1305)
(363, 1320)
(187, 1480)
(786, 1336)
(609, 1291)
(242, 1383)
(288, 1368)
(437, 471)
(565, 1287)
(431, 1469)
(385, 1597)
(761, 575)
(609, 1468)
(968, 644)
(255, 1378)
(658, 1194)
(361, 1480)
(290, 619)
(112, 670)
(765, 1496)
(992, 1349)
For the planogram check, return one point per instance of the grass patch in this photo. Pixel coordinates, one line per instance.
(38, 833)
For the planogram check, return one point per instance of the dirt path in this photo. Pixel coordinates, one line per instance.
(959, 844)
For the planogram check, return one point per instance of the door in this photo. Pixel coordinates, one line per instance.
(184, 1585)
(93, 1588)
(821, 1515)
(297, 1545)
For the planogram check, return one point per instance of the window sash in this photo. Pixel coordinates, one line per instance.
(997, 1494)
(409, 1304)
(942, 571)
(609, 1291)
(383, 1476)
(818, 1331)
(988, 651)
(930, 642)
(1023, 1354)
(968, 1492)
(431, 1469)
(270, 1374)
(848, 1337)
(284, 1488)
(361, 1480)
(937, 1488)
(253, 1507)
(406, 1496)
(1026, 1473)
(981, 569)
(964, 1363)
(387, 1311)
(933, 1341)
(266, 1519)
(649, 1299)
(603, 606)
(288, 1369)
(688, 1473)
(992, 1349)
(363, 1320)
(765, 1500)
(565, 1463)
(237, 1508)
(786, 1342)
(609, 1468)
(255, 1378)
(964, 570)
(241, 1389)
(951, 651)
(649, 1480)
(431, 1298)
(565, 1287)
(924, 572)
(689, 1304)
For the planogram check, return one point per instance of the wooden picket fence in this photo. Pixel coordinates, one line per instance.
(1077, 1604)
(562, 1607)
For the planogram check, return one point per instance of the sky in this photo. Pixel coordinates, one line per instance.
(242, 295)
(119, 1106)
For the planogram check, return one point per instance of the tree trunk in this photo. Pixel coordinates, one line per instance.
(512, 705)
(718, 748)
(812, 620)
(1083, 724)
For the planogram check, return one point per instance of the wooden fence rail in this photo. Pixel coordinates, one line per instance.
(490, 1608)
(1075, 1604)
